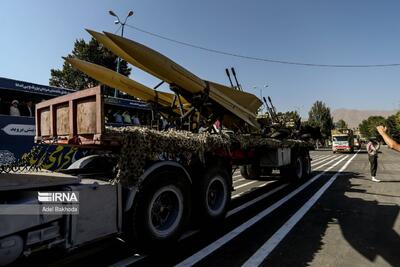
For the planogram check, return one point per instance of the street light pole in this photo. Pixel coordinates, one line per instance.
(118, 21)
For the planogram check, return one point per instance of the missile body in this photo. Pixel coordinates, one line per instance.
(123, 83)
(241, 104)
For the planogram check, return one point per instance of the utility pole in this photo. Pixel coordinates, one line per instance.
(118, 21)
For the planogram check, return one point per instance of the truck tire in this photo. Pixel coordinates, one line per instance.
(306, 167)
(243, 171)
(215, 187)
(294, 171)
(11, 248)
(253, 171)
(161, 211)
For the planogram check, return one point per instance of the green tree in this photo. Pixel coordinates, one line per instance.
(368, 127)
(393, 123)
(320, 116)
(94, 52)
(341, 124)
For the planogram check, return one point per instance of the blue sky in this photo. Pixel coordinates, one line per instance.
(35, 34)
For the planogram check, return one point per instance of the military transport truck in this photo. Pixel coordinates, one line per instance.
(143, 185)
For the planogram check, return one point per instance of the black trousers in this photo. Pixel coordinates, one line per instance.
(373, 162)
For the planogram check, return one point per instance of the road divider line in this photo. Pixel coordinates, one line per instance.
(204, 252)
(253, 201)
(262, 253)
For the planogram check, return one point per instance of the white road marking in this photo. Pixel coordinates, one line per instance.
(341, 157)
(248, 204)
(263, 252)
(188, 234)
(201, 254)
(323, 160)
(247, 191)
(245, 184)
(239, 208)
(238, 180)
(319, 157)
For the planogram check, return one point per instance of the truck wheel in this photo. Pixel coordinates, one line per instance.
(214, 194)
(243, 171)
(306, 167)
(11, 248)
(253, 171)
(298, 168)
(294, 171)
(161, 210)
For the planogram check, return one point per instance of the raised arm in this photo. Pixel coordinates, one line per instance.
(388, 140)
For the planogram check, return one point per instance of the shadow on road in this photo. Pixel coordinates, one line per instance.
(366, 225)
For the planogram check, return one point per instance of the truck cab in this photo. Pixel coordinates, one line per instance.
(342, 140)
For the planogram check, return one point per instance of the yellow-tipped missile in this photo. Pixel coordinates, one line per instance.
(241, 104)
(123, 83)
(170, 71)
(109, 44)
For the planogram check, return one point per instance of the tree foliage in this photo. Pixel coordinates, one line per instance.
(320, 116)
(368, 126)
(94, 52)
(341, 124)
(393, 123)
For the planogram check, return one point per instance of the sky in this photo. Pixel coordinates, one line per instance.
(36, 34)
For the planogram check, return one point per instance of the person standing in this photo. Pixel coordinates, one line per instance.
(372, 149)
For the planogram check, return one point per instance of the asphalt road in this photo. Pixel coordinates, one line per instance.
(337, 218)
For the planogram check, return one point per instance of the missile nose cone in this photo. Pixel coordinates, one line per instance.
(91, 32)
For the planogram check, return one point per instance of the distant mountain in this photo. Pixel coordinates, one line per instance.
(353, 117)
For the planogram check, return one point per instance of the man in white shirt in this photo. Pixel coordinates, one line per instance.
(14, 110)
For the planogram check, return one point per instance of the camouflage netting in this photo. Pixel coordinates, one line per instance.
(140, 145)
(248, 141)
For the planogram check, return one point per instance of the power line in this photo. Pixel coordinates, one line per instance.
(260, 58)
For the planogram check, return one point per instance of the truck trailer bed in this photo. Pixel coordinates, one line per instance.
(33, 180)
